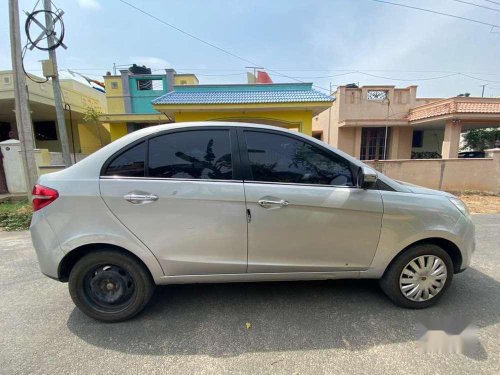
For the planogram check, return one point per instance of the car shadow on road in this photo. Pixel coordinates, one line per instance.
(212, 319)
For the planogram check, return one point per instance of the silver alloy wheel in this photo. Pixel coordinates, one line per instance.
(423, 278)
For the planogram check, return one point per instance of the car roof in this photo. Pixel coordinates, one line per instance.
(181, 125)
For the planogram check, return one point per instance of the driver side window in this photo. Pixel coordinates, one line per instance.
(279, 158)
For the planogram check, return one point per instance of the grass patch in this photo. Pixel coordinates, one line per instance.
(15, 215)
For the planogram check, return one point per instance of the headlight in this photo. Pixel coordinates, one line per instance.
(462, 207)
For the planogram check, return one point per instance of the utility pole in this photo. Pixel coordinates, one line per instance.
(23, 114)
(56, 86)
(483, 86)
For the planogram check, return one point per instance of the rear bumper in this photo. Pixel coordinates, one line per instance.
(46, 244)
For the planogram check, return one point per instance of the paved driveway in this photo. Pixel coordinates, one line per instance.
(296, 328)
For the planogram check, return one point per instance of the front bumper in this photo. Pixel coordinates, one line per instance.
(46, 244)
(466, 231)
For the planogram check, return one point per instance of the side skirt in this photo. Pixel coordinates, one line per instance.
(255, 277)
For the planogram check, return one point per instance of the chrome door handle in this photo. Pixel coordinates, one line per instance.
(268, 203)
(137, 198)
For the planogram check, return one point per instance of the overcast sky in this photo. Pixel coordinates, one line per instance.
(307, 40)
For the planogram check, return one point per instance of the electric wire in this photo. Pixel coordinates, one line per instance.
(436, 12)
(477, 5)
(349, 71)
(31, 18)
(24, 70)
(55, 18)
(211, 44)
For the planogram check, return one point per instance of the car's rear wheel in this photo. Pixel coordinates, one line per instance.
(418, 277)
(110, 286)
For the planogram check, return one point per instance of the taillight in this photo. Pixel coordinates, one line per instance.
(43, 196)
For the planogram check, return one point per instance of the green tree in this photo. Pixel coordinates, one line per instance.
(467, 94)
(481, 139)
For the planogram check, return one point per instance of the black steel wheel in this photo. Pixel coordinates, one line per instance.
(110, 286)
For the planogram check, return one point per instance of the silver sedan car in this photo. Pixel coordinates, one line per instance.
(234, 202)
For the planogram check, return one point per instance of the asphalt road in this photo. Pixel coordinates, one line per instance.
(296, 328)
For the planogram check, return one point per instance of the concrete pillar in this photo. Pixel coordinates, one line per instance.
(170, 79)
(494, 153)
(451, 141)
(400, 142)
(393, 146)
(127, 100)
(357, 142)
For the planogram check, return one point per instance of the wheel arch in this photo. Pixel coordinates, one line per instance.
(449, 246)
(72, 257)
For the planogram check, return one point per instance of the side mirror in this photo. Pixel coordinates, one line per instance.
(367, 177)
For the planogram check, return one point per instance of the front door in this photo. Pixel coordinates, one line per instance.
(375, 143)
(185, 205)
(306, 213)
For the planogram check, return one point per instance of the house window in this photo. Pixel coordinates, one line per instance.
(418, 138)
(114, 85)
(184, 82)
(6, 80)
(149, 84)
(318, 135)
(377, 94)
(373, 143)
(45, 130)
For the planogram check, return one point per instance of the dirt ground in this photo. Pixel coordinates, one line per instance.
(481, 203)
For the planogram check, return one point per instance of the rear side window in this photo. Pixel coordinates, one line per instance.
(279, 158)
(130, 163)
(197, 154)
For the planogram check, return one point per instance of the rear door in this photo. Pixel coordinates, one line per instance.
(180, 194)
(306, 213)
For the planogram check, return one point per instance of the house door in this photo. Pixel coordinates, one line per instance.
(373, 143)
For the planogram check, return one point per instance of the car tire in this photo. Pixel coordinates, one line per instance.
(398, 276)
(110, 286)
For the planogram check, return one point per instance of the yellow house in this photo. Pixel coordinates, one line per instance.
(84, 137)
(288, 105)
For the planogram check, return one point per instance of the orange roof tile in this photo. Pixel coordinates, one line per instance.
(455, 106)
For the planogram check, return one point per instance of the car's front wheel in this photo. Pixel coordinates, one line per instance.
(418, 277)
(110, 286)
